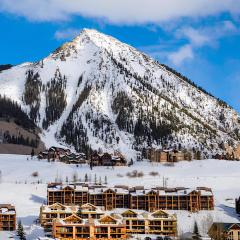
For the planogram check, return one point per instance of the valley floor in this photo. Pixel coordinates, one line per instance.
(27, 193)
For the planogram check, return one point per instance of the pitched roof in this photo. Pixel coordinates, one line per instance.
(107, 218)
(57, 206)
(129, 211)
(88, 205)
(72, 219)
(225, 226)
(159, 212)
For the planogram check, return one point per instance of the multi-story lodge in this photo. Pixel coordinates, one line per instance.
(56, 210)
(74, 227)
(224, 231)
(107, 159)
(163, 156)
(90, 218)
(132, 198)
(7, 217)
(142, 222)
(50, 212)
(238, 205)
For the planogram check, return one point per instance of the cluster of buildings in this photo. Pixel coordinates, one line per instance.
(63, 155)
(90, 222)
(7, 217)
(83, 211)
(96, 159)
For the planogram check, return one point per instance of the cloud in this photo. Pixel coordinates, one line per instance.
(194, 36)
(207, 35)
(184, 53)
(119, 12)
(68, 33)
(199, 37)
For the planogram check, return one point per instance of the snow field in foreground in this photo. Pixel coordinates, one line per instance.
(27, 193)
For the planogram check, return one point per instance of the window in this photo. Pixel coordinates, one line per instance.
(230, 235)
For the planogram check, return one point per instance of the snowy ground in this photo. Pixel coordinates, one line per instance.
(17, 186)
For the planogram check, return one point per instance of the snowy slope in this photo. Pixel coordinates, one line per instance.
(98, 92)
(28, 193)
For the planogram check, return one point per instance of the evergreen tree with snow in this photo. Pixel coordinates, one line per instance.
(20, 231)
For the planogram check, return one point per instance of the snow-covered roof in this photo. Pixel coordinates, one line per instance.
(7, 209)
(138, 190)
(117, 217)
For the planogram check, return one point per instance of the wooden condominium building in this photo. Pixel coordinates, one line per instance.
(164, 156)
(7, 217)
(106, 159)
(92, 222)
(224, 231)
(77, 228)
(132, 198)
(143, 222)
(57, 210)
(238, 205)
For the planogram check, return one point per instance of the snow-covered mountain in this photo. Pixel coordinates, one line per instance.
(98, 92)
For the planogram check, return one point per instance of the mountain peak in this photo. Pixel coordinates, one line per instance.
(98, 92)
(97, 38)
(85, 37)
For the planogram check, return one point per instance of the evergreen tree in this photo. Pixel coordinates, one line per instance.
(86, 178)
(95, 179)
(75, 177)
(105, 181)
(79, 212)
(20, 231)
(196, 236)
(32, 153)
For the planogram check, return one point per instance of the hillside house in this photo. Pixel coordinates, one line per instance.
(224, 231)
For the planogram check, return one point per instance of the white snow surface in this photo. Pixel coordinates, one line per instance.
(18, 187)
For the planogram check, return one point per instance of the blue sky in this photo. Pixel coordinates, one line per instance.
(200, 38)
